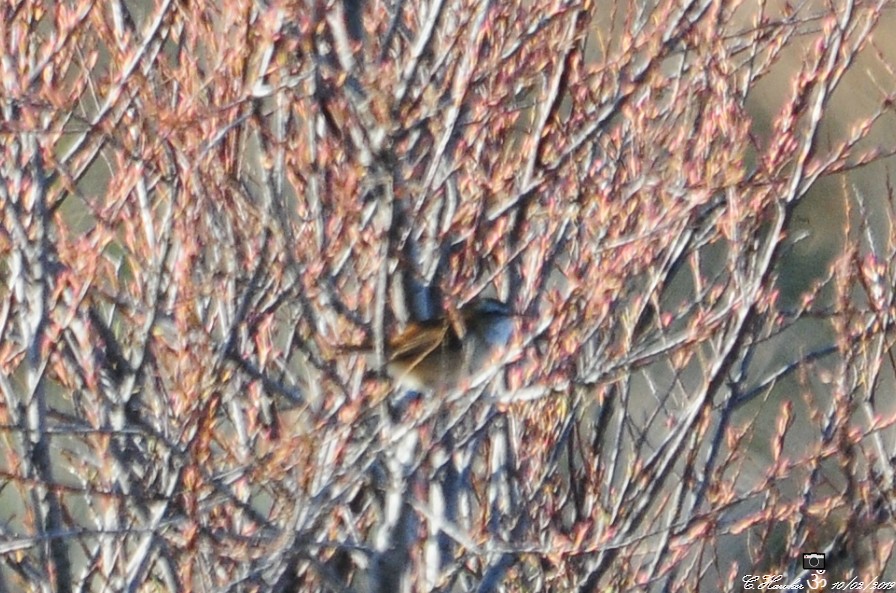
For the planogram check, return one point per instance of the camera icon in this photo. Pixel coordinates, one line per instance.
(813, 561)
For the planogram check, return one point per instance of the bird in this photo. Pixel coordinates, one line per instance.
(439, 353)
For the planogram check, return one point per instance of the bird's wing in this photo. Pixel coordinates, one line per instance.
(417, 341)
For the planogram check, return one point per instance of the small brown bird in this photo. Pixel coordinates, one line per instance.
(435, 354)
(439, 353)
